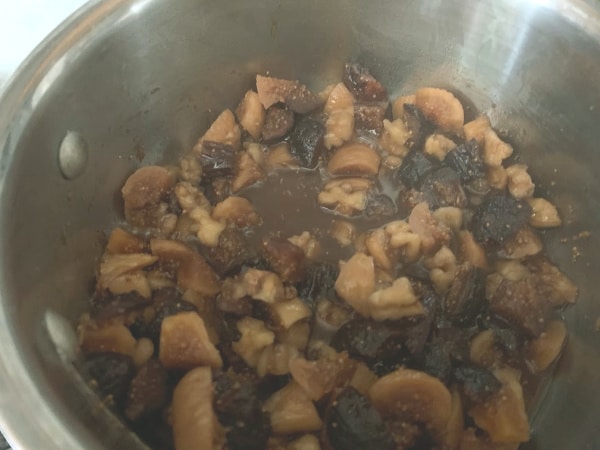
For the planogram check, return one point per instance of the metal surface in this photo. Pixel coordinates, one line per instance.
(149, 75)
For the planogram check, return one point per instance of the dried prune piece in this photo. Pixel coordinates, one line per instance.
(477, 383)
(306, 141)
(380, 205)
(362, 84)
(414, 168)
(239, 409)
(217, 159)
(369, 118)
(317, 282)
(147, 391)
(466, 296)
(466, 160)
(354, 424)
(442, 187)
(499, 217)
(361, 338)
(436, 360)
(232, 252)
(105, 305)
(111, 372)
(286, 259)
(278, 122)
(418, 125)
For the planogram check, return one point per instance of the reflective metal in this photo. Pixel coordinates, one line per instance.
(147, 76)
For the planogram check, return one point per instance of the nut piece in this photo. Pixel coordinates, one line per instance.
(190, 168)
(308, 243)
(122, 273)
(197, 207)
(110, 338)
(456, 423)
(356, 282)
(544, 349)
(292, 411)
(442, 269)
(377, 243)
(519, 181)
(415, 397)
(398, 105)
(192, 411)
(343, 232)
(263, 285)
(280, 157)
(306, 442)
(289, 312)
(354, 160)
(120, 241)
(320, 377)
(395, 137)
(404, 239)
(275, 360)
(223, 130)
(543, 213)
(433, 234)
(251, 114)
(503, 415)
(184, 343)
(294, 94)
(395, 302)
(438, 145)
(495, 149)
(346, 196)
(450, 216)
(248, 172)
(476, 129)
(497, 177)
(525, 243)
(255, 337)
(144, 193)
(340, 121)
(442, 108)
(470, 251)
(236, 210)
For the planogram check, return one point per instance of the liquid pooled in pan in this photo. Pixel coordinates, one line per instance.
(329, 271)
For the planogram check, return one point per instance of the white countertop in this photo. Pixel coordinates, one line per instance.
(24, 24)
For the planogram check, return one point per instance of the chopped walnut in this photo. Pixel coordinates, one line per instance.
(354, 160)
(377, 244)
(320, 377)
(291, 92)
(288, 312)
(441, 107)
(275, 360)
(223, 130)
(195, 204)
(292, 411)
(497, 177)
(433, 234)
(495, 149)
(476, 129)
(306, 442)
(450, 216)
(403, 238)
(248, 171)
(519, 181)
(363, 379)
(524, 243)
(340, 121)
(106, 338)
(185, 344)
(343, 232)
(438, 145)
(236, 210)
(543, 213)
(442, 269)
(395, 302)
(346, 196)
(308, 243)
(263, 285)
(255, 337)
(120, 241)
(280, 157)
(394, 137)
(470, 251)
(122, 273)
(251, 114)
(356, 282)
(190, 169)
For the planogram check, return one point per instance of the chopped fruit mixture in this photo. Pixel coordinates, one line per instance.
(329, 271)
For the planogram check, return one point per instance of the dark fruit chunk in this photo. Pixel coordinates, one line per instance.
(466, 296)
(361, 338)
(278, 122)
(442, 187)
(168, 303)
(306, 141)
(466, 160)
(380, 205)
(317, 282)
(217, 159)
(231, 253)
(520, 304)
(111, 372)
(362, 84)
(148, 391)
(436, 361)
(499, 217)
(353, 424)
(369, 118)
(106, 305)
(414, 167)
(478, 383)
(418, 125)
(285, 258)
(239, 409)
